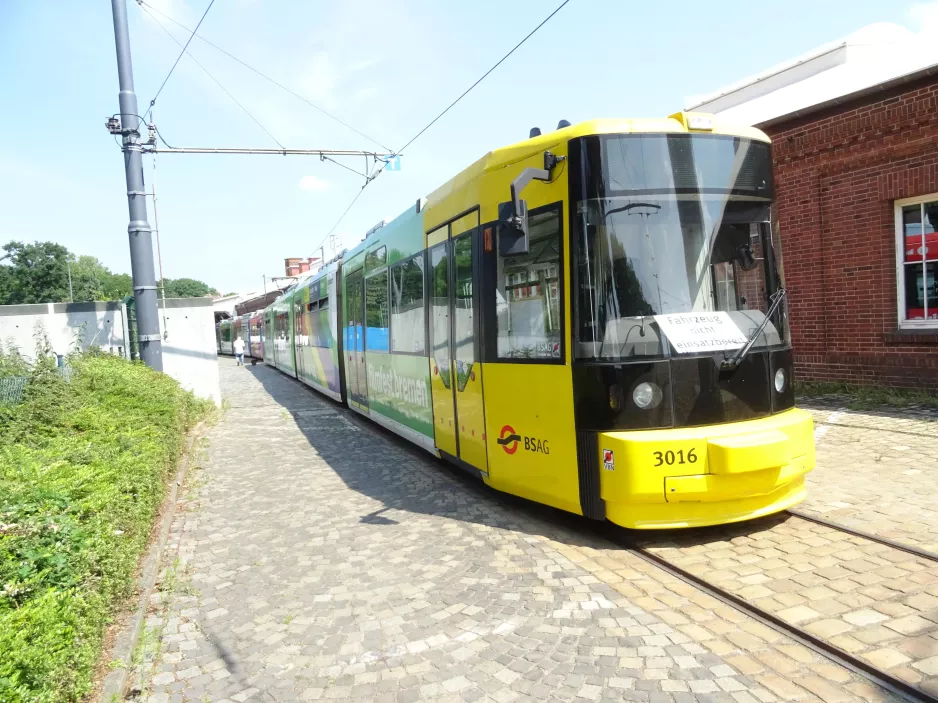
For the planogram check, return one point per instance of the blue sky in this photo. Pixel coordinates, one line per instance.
(384, 66)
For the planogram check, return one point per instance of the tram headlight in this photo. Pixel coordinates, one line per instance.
(780, 380)
(646, 395)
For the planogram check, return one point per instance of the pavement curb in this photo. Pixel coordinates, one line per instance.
(115, 683)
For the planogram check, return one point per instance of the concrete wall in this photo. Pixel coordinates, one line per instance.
(103, 324)
(189, 350)
(187, 324)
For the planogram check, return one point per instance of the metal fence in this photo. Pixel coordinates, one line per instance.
(12, 387)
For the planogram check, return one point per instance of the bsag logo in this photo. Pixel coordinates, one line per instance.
(509, 439)
(609, 462)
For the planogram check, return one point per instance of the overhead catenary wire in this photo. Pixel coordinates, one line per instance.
(209, 74)
(176, 62)
(432, 122)
(347, 168)
(484, 76)
(342, 216)
(144, 5)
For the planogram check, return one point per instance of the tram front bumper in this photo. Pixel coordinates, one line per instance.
(655, 479)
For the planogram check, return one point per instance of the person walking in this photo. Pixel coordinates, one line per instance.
(239, 350)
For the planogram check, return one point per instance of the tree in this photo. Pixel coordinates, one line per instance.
(88, 277)
(187, 288)
(6, 283)
(118, 286)
(35, 273)
(38, 273)
(92, 280)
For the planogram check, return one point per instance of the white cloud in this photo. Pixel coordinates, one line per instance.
(924, 16)
(313, 184)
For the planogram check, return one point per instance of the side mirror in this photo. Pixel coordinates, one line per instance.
(745, 258)
(513, 229)
(513, 215)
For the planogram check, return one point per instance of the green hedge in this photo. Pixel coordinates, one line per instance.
(83, 466)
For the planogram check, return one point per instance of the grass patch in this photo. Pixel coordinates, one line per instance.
(83, 467)
(866, 397)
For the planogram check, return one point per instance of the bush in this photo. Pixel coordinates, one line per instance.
(83, 466)
(12, 362)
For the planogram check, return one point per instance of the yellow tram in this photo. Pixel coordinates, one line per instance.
(593, 318)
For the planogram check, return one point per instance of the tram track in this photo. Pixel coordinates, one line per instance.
(867, 428)
(853, 663)
(819, 645)
(911, 549)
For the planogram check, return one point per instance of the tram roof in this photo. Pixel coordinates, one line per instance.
(513, 153)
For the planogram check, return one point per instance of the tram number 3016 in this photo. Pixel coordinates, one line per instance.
(679, 457)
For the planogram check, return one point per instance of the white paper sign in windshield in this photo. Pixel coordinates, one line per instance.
(696, 332)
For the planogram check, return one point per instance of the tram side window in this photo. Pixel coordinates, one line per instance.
(322, 335)
(299, 325)
(281, 322)
(376, 312)
(407, 311)
(528, 307)
(312, 315)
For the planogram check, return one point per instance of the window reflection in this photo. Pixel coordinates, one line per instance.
(376, 312)
(407, 320)
(527, 296)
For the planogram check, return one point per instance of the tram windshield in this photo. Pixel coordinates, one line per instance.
(672, 224)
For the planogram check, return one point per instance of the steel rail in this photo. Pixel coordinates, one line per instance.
(855, 664)
(917, 551)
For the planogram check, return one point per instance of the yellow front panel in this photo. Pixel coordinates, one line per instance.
(444, 425)
(698, 513)
(533, 402)
(470, 414)
(705, 475)
(711, 488)
(754, 451)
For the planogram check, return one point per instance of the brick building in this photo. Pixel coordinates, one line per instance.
(295, 266)
(854, 127)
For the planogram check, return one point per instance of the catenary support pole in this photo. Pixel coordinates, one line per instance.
(141, 243)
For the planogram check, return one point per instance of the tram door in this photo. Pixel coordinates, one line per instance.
(456, 374)
(355, 338)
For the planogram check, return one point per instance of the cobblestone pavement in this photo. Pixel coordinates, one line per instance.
(892, 463)
(316, 558)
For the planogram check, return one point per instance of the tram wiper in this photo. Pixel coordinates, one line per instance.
(730, 365)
